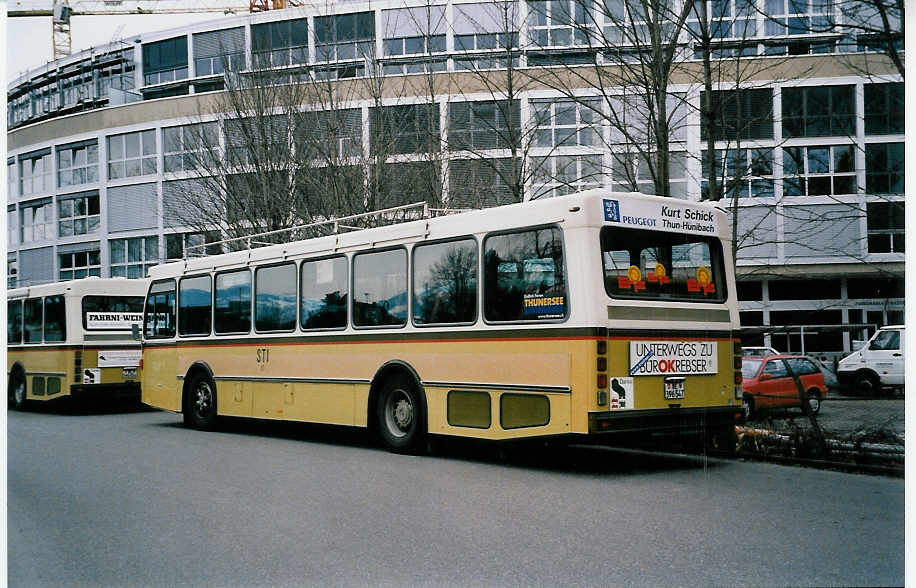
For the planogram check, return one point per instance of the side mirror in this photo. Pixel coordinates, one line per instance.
(135, 331)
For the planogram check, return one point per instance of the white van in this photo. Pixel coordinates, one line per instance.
(879, 363)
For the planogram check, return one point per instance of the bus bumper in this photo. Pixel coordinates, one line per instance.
(665, 421)
(120, 391)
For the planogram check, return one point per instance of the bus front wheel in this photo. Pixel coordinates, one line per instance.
(401, 422)
(17, 391)
(200, 403)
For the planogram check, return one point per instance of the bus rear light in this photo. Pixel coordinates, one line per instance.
(602, 380)
(602, 397)
(738, 362)
(738, 378)
(738, 392)
(602, 364)
(140, 364)
(602, 347)
(737, 345)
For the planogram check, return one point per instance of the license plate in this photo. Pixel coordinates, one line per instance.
(129, 373)
(674, 389)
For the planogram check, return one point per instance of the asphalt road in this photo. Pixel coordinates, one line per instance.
(135, 499)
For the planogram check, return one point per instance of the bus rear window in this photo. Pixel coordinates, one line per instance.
(112, 313)
(656, 265)
(14, 322)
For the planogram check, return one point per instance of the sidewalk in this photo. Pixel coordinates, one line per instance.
(842, 416)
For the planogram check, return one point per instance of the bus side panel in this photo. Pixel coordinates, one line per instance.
(48, 371)
(160, 388)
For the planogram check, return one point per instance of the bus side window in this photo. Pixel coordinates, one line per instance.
(33, 318)
(55, 319)
(194, 301)
(323, 294)
(524, 276)
(380, 288)
(275, 298)
(445, 282)
(159, 320)
(232, 309)
(14, 322)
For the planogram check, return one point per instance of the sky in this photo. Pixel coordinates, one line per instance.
(28, 40)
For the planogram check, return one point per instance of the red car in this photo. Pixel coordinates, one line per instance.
(768, 384)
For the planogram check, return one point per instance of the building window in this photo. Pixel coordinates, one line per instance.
(78, 214)
(884, 165)
(405, 129)
(132, 257)
(36, 221)
(884, 108)
(485, 26)
(12, 226)
(564, 174)
(560, 23)
(132, 154)
(179, 244)
(414, 31)
(413, 67)
(480, 125)
(36, 174)
(329, 135)
(633, 173)
(165, 61)
(219, 51)
(739, 114)
(742, 173)
(819, 170)
(276, 44)
(185, 148)
(11, 182)
(79, 264)
(885, 227)
(819, 111)
(341, 37)
(567, 123)
(78, 164)
(12, 273)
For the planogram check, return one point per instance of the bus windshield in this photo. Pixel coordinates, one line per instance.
(640, 264)
(111, 313)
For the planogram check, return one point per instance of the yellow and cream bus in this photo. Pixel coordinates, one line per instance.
(581, 315)
(73, 339)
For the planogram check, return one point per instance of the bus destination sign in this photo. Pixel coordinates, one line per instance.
(675, 216)
(666, 358)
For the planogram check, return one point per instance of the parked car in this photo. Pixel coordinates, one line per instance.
(878, 364)
(768, 384)
(757, 351)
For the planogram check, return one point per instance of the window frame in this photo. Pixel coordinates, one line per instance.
(483, 292)
(478, 289)
(352, 304)
(254, 297)
(250, 302)
(347, 322)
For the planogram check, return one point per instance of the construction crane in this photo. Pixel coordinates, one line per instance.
(61, 11)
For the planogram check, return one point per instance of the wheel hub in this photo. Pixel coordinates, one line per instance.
(403, 414)
(203, 399)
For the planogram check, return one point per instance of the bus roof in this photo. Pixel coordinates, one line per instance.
(91, 285)
(597, 207)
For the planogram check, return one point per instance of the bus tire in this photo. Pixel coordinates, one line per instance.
(17, 391)
(200, 402)
(400, 414)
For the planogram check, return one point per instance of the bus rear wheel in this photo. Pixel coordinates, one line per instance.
(400, 419)
(200, 403)
(16, 391)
